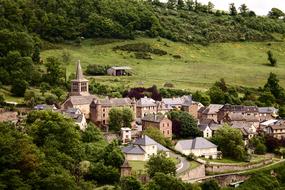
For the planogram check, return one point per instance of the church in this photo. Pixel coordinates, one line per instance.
(79, 96)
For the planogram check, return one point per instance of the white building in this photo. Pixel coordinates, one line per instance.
(199, 146)
(126, 134)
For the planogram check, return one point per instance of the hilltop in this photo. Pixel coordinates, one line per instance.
(198, 67)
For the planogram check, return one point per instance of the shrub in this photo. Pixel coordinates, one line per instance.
(95, 69)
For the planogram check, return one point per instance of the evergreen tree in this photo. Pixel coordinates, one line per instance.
(171, 4)
(233, 10)
(271, 59)
(243, 10)
(180, 4)
(36, 55)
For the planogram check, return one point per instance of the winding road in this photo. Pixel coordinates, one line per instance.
(183, 165)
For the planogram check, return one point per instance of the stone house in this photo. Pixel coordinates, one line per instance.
(145, 106)
(235, 110)
(158, 121)
(119, 71)
(277, 130)
(210, 112)
(248, 129)
(267, 113)
(143, 148)
(198, 146)
(77, 116)
(100, 108)
(79, 96)
(184, 103)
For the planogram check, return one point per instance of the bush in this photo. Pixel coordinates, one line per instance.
(260, 149)
(97, 69)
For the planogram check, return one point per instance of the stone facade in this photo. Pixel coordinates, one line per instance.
(100, 108)
(160, 122)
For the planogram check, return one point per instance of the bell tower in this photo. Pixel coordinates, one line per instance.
(79, 85)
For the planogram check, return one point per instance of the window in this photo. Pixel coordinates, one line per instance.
(84, 87)
(153, 147)
(103, 115)
(103, 110)
(168, 132)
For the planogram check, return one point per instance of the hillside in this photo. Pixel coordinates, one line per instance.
(198, 68)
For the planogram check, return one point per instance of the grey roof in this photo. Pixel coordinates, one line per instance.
(239, 108)
(145, 140)
(203, 127)
(114, 101)
(184, 100)
(211, 109)
(80, 100)
(133, 149)
(215, 126)
(196, 143)
(267, 110)
(154, 118)
(79, 74)
(146, 102)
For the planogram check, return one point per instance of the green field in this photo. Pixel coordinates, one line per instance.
(200, 66)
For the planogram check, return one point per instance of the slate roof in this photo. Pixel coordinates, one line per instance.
(114, 101)
(278, 125)
(133, 149)
(79, 74)
(196, 143)
(44, 107)
(241, 117)
(184, 100)
(146, 102)
(154, 118)
(268, 110)
(203, 127)
(239, 108)
(211, 109)
(145, 141)
(80, 100)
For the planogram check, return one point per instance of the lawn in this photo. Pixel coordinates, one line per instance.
(199, 66)
(255, 158)
(194, 164)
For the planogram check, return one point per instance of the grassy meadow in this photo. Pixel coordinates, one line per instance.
(198, 68)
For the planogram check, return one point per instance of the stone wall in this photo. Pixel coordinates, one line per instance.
(195, 173)
(222, 168)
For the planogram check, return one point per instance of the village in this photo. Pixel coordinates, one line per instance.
(195, 157)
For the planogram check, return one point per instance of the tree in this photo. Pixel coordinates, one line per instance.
(31, 99)
(260, 149)
(266, 98)
(229, 141)
(275, 13)
(190, 5)
(156, 135)
(119, 118)
(19, 87)
(58, 92)
(180, 4)
(272, 143)
(243, 10)
(162, 181)
(36, 55)
(160, 163)
(44, 87)
(271, 59)
(201, 97)
(2, 99)
(210, 7)
(171, 4)
(55, 73)
(233, 10)
(183, 124)
(273, 86)
(210, 185)
(130, 183)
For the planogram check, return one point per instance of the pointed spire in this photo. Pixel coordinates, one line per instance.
(79, 74)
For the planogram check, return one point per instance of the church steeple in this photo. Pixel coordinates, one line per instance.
(79, 86)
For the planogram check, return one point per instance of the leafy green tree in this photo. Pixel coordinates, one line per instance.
(92, 134)
(267, 99)
(180, 4)
(162, 181)
(275, 13)
(19, 87)
(210, 185)
(244, 11)
(229, 141)
(271, 59)
(217, 95)
(171, 4)
(160, 163)
(58, 92)
(183, 124)
(281, 111)
(44, 87)
(31, 99)
(130, 183)
(260, 148)
(119, 118)
(2, 99)
(233, 10)
(273, 86)
(201, 97)
(210, 7)
(55, 73)
(36, 55)
(155, 134)
(104, 174)
(190, 5)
